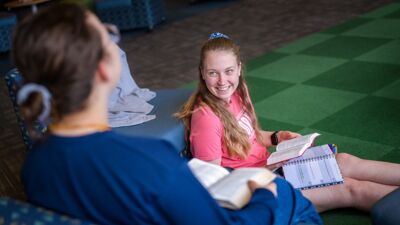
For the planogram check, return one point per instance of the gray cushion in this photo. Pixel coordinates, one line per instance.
(165, 126)
(387, 210)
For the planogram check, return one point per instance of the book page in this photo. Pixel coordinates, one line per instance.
(232, 190)
(314, 152)
(317, 167)
(297, 142)
(291, 148)
(207, 173)
(280, 156)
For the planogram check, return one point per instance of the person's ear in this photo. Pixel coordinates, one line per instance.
(201, 73)
(103, 71)
(240, 68)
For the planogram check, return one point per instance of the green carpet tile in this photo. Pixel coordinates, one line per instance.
(304, 43)
(395, 14)
(388, 53)
(265, 59)
(364, 149)
(366, 119)
(278, 125)
(263, 88)
(390, 91)
(346, 217)
(344, 83)
(347, 25)
(288, 69)
(384, 28)
(383, 11)
(346, 47)
(393, 156)
(358, 77)
(305, 105)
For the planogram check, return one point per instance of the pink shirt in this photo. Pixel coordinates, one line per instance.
(206, 137)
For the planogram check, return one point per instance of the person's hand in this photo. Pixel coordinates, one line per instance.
(287, 135)
(271, 187)
(276, 165)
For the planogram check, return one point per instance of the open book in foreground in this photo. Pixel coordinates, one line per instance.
(291, 148)
(317, 167)
(229, 189)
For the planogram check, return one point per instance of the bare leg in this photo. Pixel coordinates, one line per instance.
(369, 170)
(352, 193)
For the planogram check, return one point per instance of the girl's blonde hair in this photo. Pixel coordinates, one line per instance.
(236, 138)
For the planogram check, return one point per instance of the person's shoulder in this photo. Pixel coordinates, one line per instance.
(203, 110)
(154, 152)
(204, 119)
(137, 142)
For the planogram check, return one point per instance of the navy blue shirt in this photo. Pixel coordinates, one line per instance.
(108, 178)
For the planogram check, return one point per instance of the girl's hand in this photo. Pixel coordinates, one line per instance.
(276, 165)
(271, 187)
(287, 135)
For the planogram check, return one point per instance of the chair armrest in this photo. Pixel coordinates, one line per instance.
(17, 212)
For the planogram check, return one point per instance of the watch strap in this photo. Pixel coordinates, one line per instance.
(274, 138)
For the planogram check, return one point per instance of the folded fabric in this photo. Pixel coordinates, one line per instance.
(131, 103)
(123, 119)
(127, 104)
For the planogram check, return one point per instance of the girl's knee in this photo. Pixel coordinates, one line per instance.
(347, 163)
(349, 194)
(353, 189)
(350, 186)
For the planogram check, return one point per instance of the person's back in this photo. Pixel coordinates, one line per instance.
(111, 179)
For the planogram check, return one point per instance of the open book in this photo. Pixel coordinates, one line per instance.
(229, 189)
(315, 168)
(291, 148)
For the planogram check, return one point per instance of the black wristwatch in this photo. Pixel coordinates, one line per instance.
(274, 138)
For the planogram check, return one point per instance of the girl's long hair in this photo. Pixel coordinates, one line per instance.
(236, 138)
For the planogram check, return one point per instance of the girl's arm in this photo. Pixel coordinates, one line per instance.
(281, 135)
(266, 136)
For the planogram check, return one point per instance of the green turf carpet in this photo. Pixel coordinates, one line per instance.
(344, 83)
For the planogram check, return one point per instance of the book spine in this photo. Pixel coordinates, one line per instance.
(300, 161)
(320, 185)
